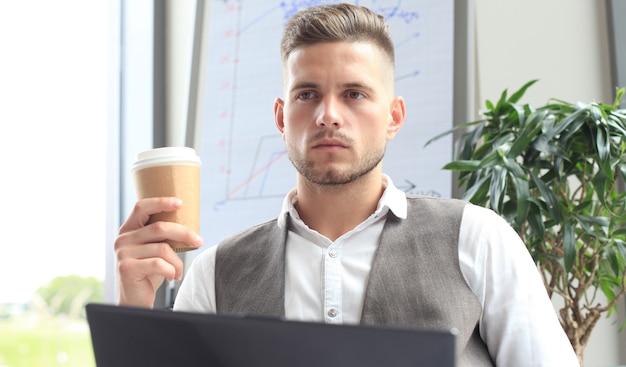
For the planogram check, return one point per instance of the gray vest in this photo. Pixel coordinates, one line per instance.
(415, 278)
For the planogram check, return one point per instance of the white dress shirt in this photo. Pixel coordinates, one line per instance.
(325, 280)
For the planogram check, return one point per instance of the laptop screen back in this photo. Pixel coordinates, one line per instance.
(125, 336)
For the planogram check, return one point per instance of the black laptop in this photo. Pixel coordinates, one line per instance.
(127, 336)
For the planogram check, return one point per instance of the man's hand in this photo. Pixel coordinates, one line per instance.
(144, 259)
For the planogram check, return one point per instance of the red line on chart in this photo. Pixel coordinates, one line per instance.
(255, 175)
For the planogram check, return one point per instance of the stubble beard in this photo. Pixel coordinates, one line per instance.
(330, 176)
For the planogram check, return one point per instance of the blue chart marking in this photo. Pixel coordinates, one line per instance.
(273, 158)
(219, 204)
(407, 40)
(292, 7)
(390, 9)
(258, 19)
(410, 75)
(263, 172)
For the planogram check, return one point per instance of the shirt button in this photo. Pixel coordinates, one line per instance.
(333, 312)
(333, 253)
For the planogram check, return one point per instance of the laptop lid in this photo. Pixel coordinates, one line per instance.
(127, 336)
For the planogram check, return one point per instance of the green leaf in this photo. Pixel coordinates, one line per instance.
(599, 182)
(489, 105)
(603, 222)
(518, 95)
(522, 142)
(615, 122)
(569, 246)
(596, 113)
(582, 205)
(490, 160)
(620, 246)
(602, 143)
(606, 284)
(535, 220)
(618, 96)
(589, 227)
(544, 145)
(497, 188)
(471, 140)
(615, 259)
(571, 123)
(477, 190)
(518, 114)
(465, 166)
(522, 192)
(456, 128)
(512, 166)
(552, 204)
(501, 102)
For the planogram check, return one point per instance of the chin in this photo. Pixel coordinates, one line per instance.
(335, 178)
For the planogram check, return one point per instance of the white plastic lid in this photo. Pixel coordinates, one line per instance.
(166, 156)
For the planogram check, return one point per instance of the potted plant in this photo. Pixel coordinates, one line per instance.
(556, 174)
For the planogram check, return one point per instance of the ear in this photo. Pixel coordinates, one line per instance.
(279, 106)
(397, 113)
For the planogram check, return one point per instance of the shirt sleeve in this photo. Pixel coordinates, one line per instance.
(519, 323)
(197, 291)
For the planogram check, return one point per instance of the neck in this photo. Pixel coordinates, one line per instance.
(333, 210)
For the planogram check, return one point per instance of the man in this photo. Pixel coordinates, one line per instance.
(349, 247)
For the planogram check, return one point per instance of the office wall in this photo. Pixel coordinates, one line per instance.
(563, 43)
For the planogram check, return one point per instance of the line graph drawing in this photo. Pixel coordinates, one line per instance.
(246, 171)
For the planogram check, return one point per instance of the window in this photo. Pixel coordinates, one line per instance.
(54, 113)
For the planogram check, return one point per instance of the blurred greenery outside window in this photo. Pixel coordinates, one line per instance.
(50, 330)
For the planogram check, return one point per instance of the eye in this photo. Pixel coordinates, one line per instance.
(306, 95)
(355, 95)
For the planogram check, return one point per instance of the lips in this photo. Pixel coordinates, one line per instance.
(329, 143)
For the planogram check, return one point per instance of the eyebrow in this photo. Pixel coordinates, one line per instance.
(304, 85)
(358, 86)
(311, 85)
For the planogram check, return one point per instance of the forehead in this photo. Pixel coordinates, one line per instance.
(338, 59)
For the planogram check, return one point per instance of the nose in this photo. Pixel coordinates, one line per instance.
(329, 113)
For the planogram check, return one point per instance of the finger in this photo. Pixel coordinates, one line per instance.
(144, 208)
(159, 232)
(136, 263)
(137, 289)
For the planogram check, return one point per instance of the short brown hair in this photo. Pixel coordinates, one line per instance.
(336, 23)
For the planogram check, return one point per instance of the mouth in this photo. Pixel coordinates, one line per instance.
(329, 144)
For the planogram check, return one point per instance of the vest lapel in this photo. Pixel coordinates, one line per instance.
(252, 275)
(427, 244)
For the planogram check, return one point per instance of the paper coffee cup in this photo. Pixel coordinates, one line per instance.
(172, 172)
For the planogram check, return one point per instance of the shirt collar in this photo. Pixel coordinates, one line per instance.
(393, 199)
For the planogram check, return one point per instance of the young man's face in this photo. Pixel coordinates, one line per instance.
(339, 110)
